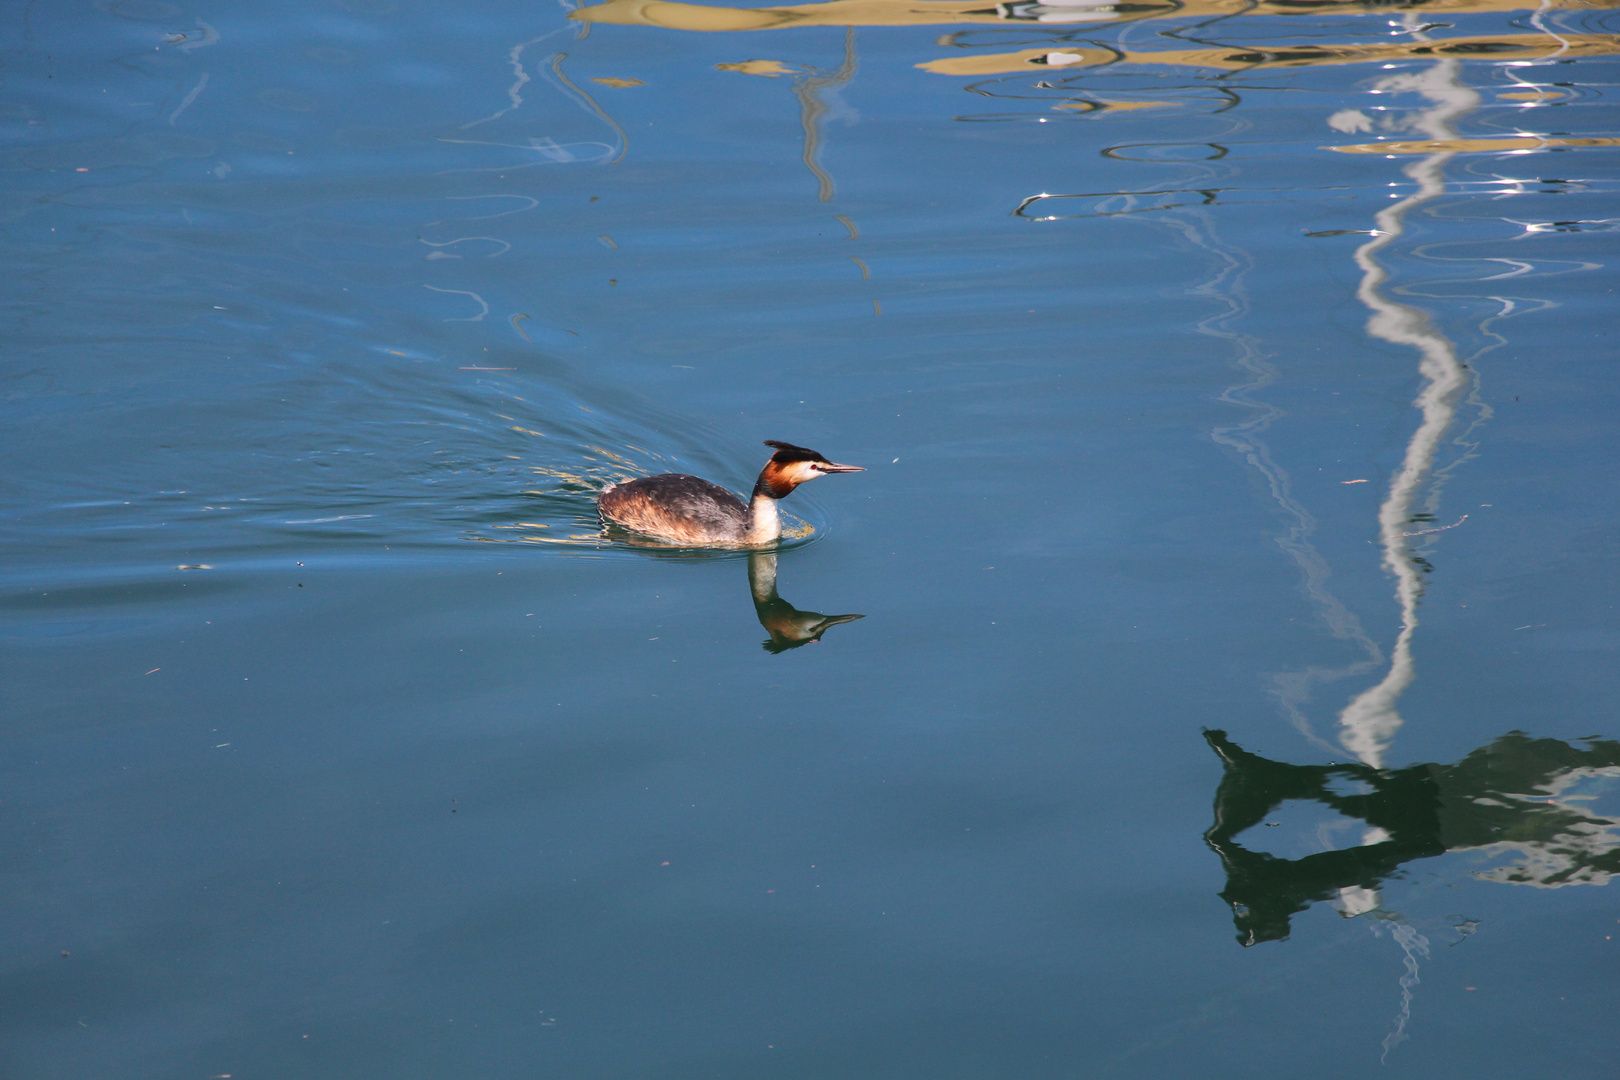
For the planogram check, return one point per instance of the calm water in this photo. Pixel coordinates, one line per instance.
(1235, 690)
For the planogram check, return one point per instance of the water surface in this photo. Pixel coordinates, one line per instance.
(1232, 695)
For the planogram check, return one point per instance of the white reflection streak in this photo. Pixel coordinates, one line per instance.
(185, 102)
(505, 247)
(463, 292)
(515, 58)
(1292, 689)
(1414, 945)
(553, 152)
(1371, 720)
(1536, 21)
(533, 202)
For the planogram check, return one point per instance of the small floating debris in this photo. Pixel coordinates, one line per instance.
(618, 83)
(195, 566)
(1353, 481)
(319, 521)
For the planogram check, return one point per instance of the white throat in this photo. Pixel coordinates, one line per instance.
(764, 521)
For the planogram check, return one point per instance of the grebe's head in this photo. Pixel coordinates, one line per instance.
(793, 465)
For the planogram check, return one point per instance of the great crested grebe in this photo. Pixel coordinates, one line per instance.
(687, 510)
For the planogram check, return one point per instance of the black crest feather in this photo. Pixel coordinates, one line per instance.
(786, 452)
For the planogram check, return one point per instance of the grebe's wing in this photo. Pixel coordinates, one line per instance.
(674, 506)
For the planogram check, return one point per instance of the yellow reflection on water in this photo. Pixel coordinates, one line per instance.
(1120, 106)
(771, 69)
(1518, 144)
(1239, 58)
(707, 18)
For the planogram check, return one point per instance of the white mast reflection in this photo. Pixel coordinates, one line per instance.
(1371, 720)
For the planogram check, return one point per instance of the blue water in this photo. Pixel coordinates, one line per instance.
(1234, 690)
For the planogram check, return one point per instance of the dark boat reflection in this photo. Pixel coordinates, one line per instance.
(1520, 797)
(788, 626)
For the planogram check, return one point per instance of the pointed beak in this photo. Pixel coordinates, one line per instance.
(829, 467)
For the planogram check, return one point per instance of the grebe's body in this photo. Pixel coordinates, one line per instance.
(688, 510)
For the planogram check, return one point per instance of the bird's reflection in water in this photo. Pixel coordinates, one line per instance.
(788, 626)
(1531, 799)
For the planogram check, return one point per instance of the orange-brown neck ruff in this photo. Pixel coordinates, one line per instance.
(776, 480)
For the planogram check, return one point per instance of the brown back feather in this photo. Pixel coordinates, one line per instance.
(676, 507)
